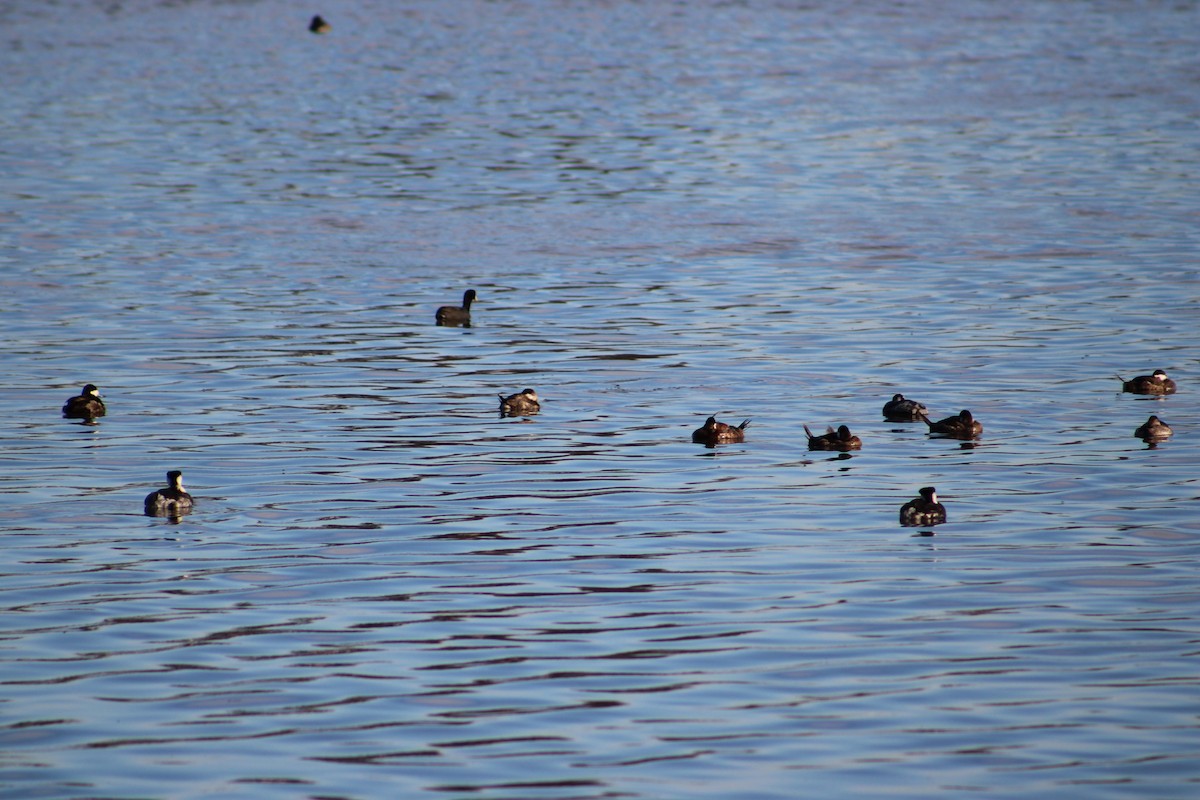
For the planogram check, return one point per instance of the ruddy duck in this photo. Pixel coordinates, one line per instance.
(319, 25)
(713, 432)
(960, 426)
(841, 439)
(1154, 430)
(85, 405)
(923, 510)
(523, 402)
(901, 409)
(1158, 383)
(453, 316)
(171, 501)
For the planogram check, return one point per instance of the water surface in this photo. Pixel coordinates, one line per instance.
(773, 211)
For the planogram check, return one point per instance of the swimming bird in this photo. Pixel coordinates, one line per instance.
(171, 501)
(960, 426)
(523, 402)
(85, 405)
(841, 439)
(1153, 430)
(923, 510)
(319, 25)
(1157, 383)
(901, 409)
(713, 432)
(453, 316)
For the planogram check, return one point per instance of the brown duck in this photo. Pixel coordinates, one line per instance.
(713, 432)
(1153, 430)
(901, 409)
(841, 439)
(961, 426)
(523, 402)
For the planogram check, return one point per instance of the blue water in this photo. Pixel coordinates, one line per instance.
(783, 212)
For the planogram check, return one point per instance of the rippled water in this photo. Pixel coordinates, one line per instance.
(773, 211)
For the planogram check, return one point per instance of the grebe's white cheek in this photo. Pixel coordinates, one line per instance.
(933, 497)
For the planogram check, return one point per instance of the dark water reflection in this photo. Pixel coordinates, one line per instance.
(240, 231)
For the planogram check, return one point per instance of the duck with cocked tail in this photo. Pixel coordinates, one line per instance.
(714, 433)
(1155, 383)
(85, 405)
(923, 510)
(456, 316)
(960, 426)
(841, 439)
(519, 404)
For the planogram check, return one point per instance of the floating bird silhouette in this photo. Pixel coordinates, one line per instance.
(455, 316)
